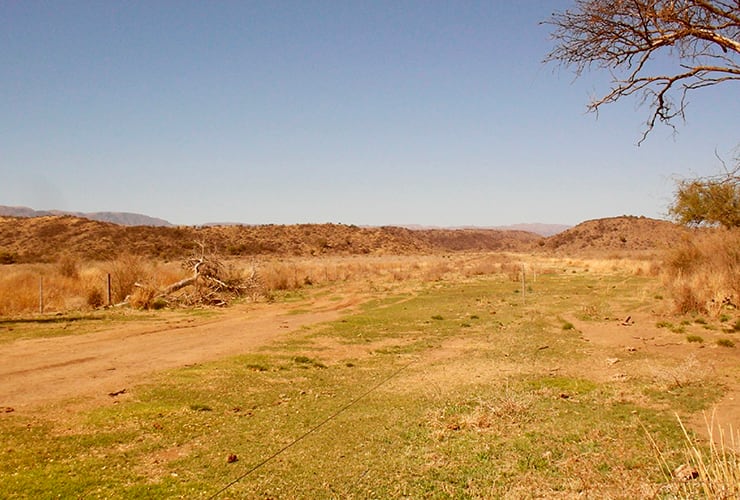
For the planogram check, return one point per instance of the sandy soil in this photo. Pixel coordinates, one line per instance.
(621, 350)
(84, 370)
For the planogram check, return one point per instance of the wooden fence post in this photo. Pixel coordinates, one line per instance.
(524, 287)
(109, 294)
(41, 295)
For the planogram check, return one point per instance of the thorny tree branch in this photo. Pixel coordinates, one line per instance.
(633, 39)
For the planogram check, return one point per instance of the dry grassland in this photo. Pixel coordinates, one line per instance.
(451, 379)
(550, 373)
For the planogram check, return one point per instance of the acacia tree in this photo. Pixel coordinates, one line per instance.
(713, 200)
(634, 39)
(659, 51)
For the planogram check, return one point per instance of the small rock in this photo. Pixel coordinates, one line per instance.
(232, 458)
(685, 473)
(612, 361)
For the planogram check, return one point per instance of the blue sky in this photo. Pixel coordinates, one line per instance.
(368, 113)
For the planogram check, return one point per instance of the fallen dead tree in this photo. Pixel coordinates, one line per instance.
(211, 283)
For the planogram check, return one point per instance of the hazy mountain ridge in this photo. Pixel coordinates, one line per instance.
(534, 227)
(135, 219)
(120, 218)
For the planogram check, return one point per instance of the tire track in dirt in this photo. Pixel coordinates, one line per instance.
(84, 369)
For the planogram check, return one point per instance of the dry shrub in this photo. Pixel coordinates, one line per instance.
(68, 266)
(513, 270)
(95, 298)
(281, 276)
(703, 271)
(19, 289)
(212, 282)
(435, 271)
(487, 265)
(142, 297)
(125, 272)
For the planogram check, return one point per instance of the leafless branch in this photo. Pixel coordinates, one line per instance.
(634, 39)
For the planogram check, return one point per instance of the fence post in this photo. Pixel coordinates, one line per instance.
(109, 294)
(524, 287)
(41, 295)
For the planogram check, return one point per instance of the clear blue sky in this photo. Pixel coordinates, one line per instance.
(373, 112)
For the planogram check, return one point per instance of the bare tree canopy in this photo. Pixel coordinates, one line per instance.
(633, 39)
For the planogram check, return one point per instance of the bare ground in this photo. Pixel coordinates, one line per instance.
(83, 371)
(619, 351)
(93, 369)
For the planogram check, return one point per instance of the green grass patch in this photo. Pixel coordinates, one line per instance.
(687, 397)
(681, 328)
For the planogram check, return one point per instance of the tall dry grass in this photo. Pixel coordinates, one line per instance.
(71, 284)
(74, 285)
(703, 272)
(711, 471)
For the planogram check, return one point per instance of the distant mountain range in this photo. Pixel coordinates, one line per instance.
(132, 219)
(536, 228)
(120, 218)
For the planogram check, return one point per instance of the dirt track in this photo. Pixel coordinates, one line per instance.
(89, 367)
(75, 372)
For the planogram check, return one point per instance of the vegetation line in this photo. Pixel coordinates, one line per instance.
(313, 429)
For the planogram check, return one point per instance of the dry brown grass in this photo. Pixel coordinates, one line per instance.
(707, 471)
(74, 285)
(703, 272)
(83, 289)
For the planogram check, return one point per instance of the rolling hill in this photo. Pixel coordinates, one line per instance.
(625, 233)
(47, 238)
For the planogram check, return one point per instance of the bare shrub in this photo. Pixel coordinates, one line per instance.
(487, 265)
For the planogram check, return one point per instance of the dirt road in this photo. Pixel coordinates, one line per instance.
(88, 367)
